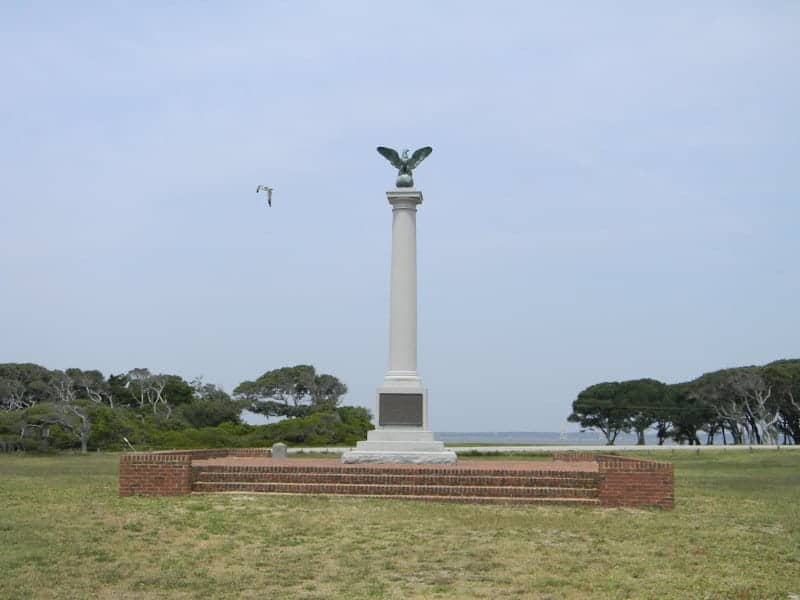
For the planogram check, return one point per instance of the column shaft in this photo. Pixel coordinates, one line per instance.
(403, 315)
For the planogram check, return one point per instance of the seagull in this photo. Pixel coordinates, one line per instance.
(267, 189)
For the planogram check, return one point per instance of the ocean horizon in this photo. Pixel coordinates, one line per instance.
(538, 438)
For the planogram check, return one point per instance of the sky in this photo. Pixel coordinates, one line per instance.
(613, 192)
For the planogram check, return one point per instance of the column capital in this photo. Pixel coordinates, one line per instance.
(404, 198)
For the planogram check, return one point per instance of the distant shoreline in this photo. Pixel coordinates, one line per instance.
(553, 438)
(535, 438)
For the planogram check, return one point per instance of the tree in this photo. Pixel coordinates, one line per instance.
(148, 389)
(92, 385)
(643, 401)
(742, 400)
(67, 412)
(52, 399)
(706, 399)
(621, 406)
(210, 407)
(597, 407)
(83, 397)
(156, 393)
(327, 391)
(292, 392)
(760, 412)
(783, 377)
(689, 413)
(24, 384)
(12, 395)
(11, 425)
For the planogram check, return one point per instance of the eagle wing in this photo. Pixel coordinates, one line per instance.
(392, 156)
(418, 157)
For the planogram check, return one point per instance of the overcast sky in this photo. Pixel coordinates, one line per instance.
(613, 192)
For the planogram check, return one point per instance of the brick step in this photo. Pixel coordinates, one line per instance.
(406, 470)
(396, 490)
(548, 501)
(404, 479)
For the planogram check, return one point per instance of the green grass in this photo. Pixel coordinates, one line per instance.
(64, 533)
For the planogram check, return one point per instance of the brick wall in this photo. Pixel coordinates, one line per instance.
(632, 482)
(168, 473)
(155, 474)
(246, 452)
(574, 456)
(636, 482)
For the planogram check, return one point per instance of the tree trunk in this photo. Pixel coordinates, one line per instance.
(640, 437)
(736, 435)
(757, 435)
(662, 433)
(85, 429)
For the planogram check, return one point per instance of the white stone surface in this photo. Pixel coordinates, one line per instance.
(279, 450)
(411, 446)
(399, 434)
(400, 446)
(403, 304)
(411, 457)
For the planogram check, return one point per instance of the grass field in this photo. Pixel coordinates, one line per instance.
(64, 533)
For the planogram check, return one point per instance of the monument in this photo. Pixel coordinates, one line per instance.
(402, 433)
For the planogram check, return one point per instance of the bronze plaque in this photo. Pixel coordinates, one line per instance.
(400, 409)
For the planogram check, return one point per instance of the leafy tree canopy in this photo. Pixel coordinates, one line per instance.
(292, 391)
(598, 407)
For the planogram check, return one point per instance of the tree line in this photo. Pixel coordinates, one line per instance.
(742, 405)
(44, 408)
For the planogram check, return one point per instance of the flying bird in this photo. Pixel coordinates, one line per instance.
(267, 189)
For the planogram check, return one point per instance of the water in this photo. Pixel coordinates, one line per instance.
(536, 438)
(547, 438)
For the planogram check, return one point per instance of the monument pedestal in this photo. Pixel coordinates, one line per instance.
(402, 434)
(414, 447)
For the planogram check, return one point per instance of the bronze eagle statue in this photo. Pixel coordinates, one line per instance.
(404, 163)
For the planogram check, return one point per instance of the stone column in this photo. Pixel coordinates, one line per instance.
(403, 314)
(402, 434)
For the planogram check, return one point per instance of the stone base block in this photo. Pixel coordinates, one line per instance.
(400, 435)
(400, 446)
(443, 457)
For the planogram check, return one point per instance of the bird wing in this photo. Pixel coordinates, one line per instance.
(392, 156)
(418, 157)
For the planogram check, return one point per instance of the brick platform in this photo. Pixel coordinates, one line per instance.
(572, 478)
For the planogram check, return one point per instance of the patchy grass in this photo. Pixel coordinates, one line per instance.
(64, 533)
